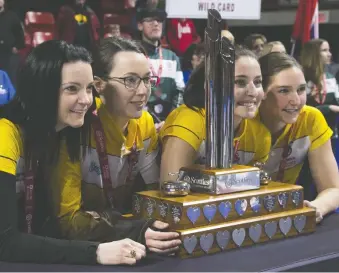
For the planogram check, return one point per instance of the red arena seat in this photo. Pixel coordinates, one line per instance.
(39, 21)
(40, 37)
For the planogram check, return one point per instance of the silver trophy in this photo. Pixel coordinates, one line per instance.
(218, 175)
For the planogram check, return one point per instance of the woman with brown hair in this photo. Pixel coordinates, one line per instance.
(89, 195)
(322, 88)
(53, 102)
(183, 135)
(299, 132)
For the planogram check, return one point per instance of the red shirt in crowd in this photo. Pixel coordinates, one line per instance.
(181, 34)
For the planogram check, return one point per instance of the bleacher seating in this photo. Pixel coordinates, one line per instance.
(123, 20)
(40, 25)
(39, 21)
(113, 6)
(40, 37)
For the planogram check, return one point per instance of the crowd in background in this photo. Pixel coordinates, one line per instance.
(77, 22)
(174, 48)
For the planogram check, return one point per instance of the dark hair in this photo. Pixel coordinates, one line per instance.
(311, 62)
(194, 95)
(199, 49)
(35, 106)
(273, 63)
(193, 49)
(250, 39)
(106, 51)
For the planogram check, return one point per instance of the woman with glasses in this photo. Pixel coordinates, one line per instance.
(89, 196)
(53, 101)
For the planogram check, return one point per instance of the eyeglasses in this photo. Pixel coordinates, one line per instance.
(133, 82)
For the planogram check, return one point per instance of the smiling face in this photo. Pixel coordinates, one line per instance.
(286, 95)
(75, 94)
(123, 102)
(248, 91)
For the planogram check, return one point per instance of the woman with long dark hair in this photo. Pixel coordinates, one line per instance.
(52, 103)
(89, 195)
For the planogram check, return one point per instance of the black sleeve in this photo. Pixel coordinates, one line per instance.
(105, 226)
(133, 229)
(21, 247)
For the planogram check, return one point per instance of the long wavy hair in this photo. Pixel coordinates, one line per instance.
(311, 62)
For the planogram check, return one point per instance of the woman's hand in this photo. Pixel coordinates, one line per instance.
(324, 170)
(161, 241)
(125, 251)
(318, 214)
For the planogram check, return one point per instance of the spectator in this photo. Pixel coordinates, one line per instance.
(255, 42)
(226, 33)
(197, 57)
(7, 90)
(113, 30)
(275, 46)
(78, 24)
(11, 40)
(322, 88)
(164, 64)
(181, 34)
(143, 4)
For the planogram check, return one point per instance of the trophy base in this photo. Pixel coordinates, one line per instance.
(246, 232)
(202, 209)
(220, 181)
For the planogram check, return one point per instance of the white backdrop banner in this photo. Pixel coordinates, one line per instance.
(228, 9)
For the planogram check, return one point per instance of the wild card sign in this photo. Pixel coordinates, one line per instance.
(228, 9)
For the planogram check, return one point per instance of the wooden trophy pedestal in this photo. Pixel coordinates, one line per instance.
(213, 223)
(246, 232)
(201, 209)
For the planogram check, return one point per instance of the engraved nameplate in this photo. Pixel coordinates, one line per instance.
(198, 181)
(221, 183)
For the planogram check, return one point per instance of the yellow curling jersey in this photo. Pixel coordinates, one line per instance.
(11, 152)
(309, 132)
(80, 185)
(254, 140)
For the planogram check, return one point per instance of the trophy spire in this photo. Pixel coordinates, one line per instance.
(219, 102)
